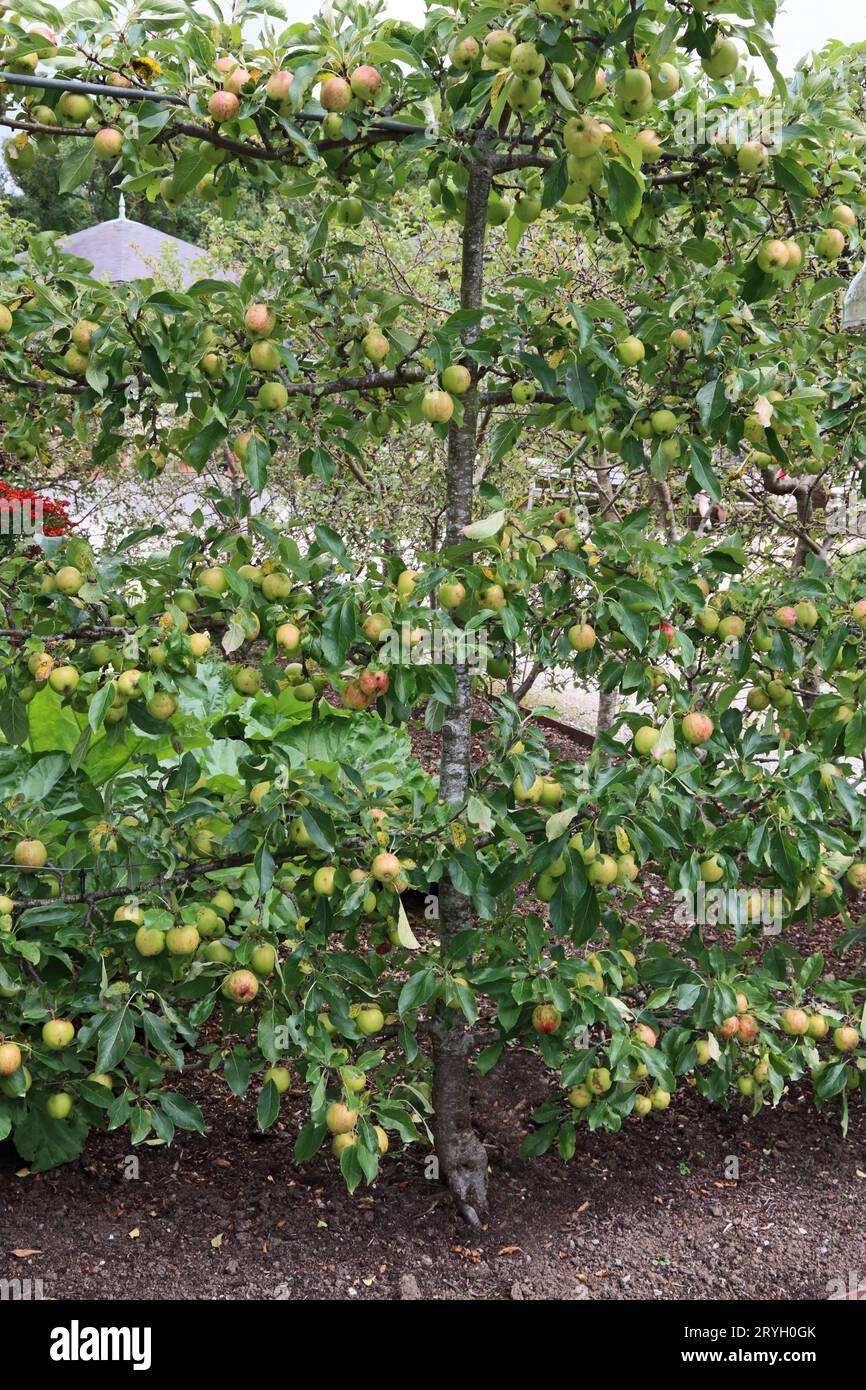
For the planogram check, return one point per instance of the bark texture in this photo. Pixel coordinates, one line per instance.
(462, 1157)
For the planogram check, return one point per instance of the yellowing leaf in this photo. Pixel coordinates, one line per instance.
(405, 934)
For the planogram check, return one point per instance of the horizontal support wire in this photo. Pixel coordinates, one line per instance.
(102, 89)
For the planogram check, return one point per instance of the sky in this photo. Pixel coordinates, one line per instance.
(802, 27)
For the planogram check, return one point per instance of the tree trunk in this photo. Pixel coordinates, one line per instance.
(608, 700)
(462, 1156)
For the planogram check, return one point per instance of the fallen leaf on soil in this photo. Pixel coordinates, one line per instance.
(509, 1250)
(23, 1173)
(22, 1254)
(134, 1233)
(217, 1241)
(223, 1163)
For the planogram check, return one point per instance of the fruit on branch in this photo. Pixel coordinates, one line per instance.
(650, 146)
(278, 87)
(581, 637)
(108, 143)
(631, 351)
(264, 356)
(10, 1058)
(843, 216)
(324, 881)
(665, 81)
(464, 53)
(546, 1018)
(634, 93)
(703, 1054)
(712, 870)
(786, 616)
(74, 108)
(223, 106)
(149, 941)
(697, 728)
(63, 679)
(583, 136)
(451, 594)
(603, 871)
(707, 620)
(57, 1034)
(272, 396)
(30, 854)
(246, 680)
(795, 1022)
(722, 59)
(663, 421)
(773, 255)
(527, 792)
(354, 697)
(59, 1105)
(753, 158)
(645, 739)
(287, 635)
(527, 208)
(69, 580)
(830, 244)
(806, 613)
(365, 82)
(437, 407)
(127, 912)
(818, 1026)
(385, 867)
(599, 1080)
(260, 320)
(340, 1119)
(845, 1039)
(749, 1028)
(526, 61)
(856, 877)
(645, 1034)
(523, 392)
(498, 47)
(240, 987)
(580, 1097)
(456, 380)
(375, 346)
(182, 941)
(858, 612)
(370, 1020)
(376, 625)
(162, 705)
(276, 585)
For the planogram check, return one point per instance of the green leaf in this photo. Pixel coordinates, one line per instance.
(77, 166)
(182, 1112)
(268, 1107)
(625, 192)
(116, 1037)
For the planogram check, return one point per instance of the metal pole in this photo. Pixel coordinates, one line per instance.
(101, 89)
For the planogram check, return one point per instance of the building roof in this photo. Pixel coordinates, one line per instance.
(126, 250)
(854, 316)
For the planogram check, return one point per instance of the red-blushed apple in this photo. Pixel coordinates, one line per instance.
(240, 987)
(546, 1018)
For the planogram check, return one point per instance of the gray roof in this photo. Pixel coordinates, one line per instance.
(854, 316)
(125, 250)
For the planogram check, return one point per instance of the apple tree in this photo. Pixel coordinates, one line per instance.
(192, 825)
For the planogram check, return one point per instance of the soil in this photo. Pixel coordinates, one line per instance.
(692, 1203)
